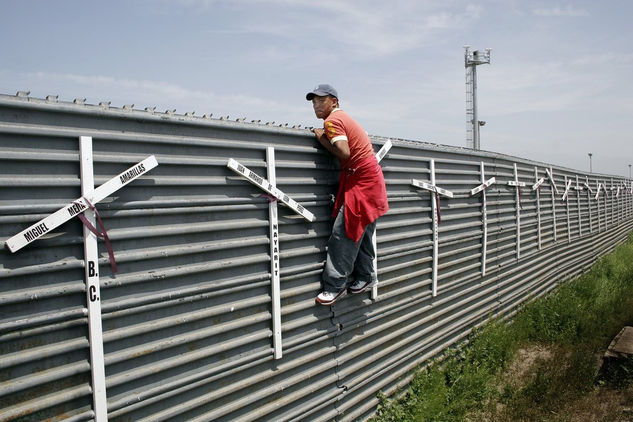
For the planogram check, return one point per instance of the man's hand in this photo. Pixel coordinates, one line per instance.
(340, 149)
(318, 132)
(323, 140)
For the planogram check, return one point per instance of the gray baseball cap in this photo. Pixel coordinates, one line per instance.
(321, 91)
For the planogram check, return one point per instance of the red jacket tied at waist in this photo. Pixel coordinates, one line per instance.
(362, 190)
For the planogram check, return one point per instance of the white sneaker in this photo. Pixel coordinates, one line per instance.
(359, 286)
(328, 298)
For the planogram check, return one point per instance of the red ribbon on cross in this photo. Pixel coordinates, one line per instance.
(102, 234)
(271, 198)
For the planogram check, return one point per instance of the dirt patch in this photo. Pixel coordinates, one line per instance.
(601, 405)
(540, 368)
(523, 365)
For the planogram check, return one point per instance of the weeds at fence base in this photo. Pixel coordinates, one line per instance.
(542, 366)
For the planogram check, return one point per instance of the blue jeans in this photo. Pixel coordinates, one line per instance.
(348, 260)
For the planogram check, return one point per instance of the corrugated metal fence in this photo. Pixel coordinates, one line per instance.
(187, 321)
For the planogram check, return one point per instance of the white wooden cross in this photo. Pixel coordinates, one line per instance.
(598, 187)
(273, 224)
(85, 204)
(625, 199)
(518, 186)
(566, 199)
(565, 196)
(554, 191)
(627, 190)
(617, 202)
(578, 189)
(435, 203)
(606, 203)
(612, 203)
(537, 187)
(485, 184)
(379, 156)
(630, 189)
(624, 207)
(589, 193)
(269, 186)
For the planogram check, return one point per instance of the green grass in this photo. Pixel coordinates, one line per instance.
(575, 323)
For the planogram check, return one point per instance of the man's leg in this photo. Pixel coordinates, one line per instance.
(341, 255)
(364, 271)
(364, 265)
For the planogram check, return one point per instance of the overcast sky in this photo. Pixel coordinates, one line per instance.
(560, 82)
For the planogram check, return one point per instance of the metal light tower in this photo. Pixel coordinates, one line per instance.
(471, 61)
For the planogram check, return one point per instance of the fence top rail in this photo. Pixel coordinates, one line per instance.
(104, 109)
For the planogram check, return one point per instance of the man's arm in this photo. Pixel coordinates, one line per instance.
(339, 149)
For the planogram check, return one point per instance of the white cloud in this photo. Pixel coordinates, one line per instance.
(363, 29)
(609, 58)
(567, 11)
(393, 27)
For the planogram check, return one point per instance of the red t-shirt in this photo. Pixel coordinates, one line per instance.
(339, 126)
(362, 185)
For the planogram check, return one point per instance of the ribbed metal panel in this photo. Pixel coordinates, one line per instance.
(187, 330)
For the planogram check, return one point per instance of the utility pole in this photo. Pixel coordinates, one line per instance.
(471, 61)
